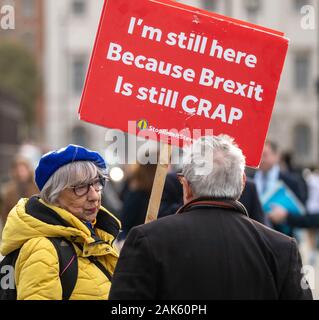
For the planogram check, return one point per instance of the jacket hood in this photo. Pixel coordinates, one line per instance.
(32, 218)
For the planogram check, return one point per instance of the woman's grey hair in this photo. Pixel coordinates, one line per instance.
(214, 167)
(74, 173)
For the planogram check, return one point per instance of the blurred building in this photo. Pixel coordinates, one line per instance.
(29, 32)
(70, 29)
(295, 122)
(11, 118)
(71, 26)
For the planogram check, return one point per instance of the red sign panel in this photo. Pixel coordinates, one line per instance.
(167, 66)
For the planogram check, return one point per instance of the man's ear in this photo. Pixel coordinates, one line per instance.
(187, 191)
(244, 180)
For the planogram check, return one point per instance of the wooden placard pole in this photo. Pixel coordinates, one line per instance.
(159, 181)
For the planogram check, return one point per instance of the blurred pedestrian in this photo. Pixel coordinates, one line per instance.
(136, 195)
(266, 179)
(310, 220)
(287, 165)
(210, 249)
(70, 181)
(21, 185)
(313, 209)
(312, 180)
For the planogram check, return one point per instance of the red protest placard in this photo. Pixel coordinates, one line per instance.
(168, 66)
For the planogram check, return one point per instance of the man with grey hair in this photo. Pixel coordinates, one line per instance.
(214, 167)
(210, 249)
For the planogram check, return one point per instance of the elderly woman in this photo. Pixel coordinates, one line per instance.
(66, 217)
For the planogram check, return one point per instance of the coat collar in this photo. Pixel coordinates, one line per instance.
(47, 214)
(54, 216)
(208, 202)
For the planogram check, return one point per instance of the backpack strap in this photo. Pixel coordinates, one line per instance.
(95, 261)
(68, 265)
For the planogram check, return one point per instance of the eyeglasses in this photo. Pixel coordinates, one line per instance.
(83, 189)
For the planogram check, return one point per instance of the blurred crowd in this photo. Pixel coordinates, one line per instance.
(45, 193)
(128, 198)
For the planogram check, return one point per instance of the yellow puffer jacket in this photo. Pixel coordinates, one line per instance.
(37, 267)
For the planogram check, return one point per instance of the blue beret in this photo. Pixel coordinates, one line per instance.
(52, 161)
